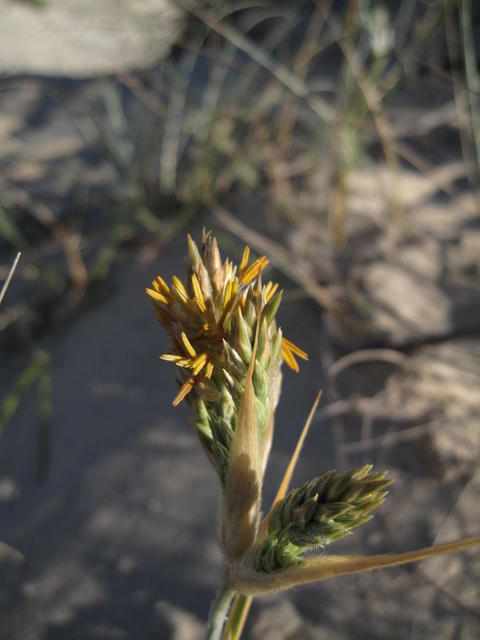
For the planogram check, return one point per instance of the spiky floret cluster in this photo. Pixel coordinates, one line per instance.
(213, 318)
(323, 510)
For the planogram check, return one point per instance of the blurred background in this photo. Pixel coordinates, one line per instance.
(342, 140)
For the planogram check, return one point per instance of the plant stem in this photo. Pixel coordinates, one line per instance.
(218, 612)
(237, 617)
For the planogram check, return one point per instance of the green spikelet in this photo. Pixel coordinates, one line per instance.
(323, 510)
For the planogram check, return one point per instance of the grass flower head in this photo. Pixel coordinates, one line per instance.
(213, 316)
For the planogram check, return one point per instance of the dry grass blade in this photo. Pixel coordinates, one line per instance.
(292, 82)
(6, 284)
(366, 355)
(283, 488)
(285, 483)
(147, 97)
(471, 72)
(172, 127)
(451, 28)
(374, 101)
(388, 439)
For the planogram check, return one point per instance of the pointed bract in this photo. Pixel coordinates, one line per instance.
(319, 568)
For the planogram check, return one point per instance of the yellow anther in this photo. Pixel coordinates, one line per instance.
(245, 257)
(171, 357)
(290, 360)
(227, 294)
(270, 290)
(188, 345)
(294, 349)
(164, 288)
(209, 370)
(197, 291)
(157, 296)
(253, 270)
(199, 363)
(179, 289)
(180, 361)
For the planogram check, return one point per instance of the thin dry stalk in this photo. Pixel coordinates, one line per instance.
(289, 80)
(6, 284)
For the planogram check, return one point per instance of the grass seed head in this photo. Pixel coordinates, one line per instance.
(212, 316)
(321, 511)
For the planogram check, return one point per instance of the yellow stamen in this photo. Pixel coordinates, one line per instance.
(209, 370)
(156, 295)
(199, 299)
(163, 285)
(294, 349)
(270, 290)
(253, 270)
(179, 289)
(199, 363)
(231, 289)
(188, 346)
(180, 361)
(184, 391)
(290, 360)
(227, 294)
(245, 257)
(171, 357)
(164, 288)
(228, 269)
